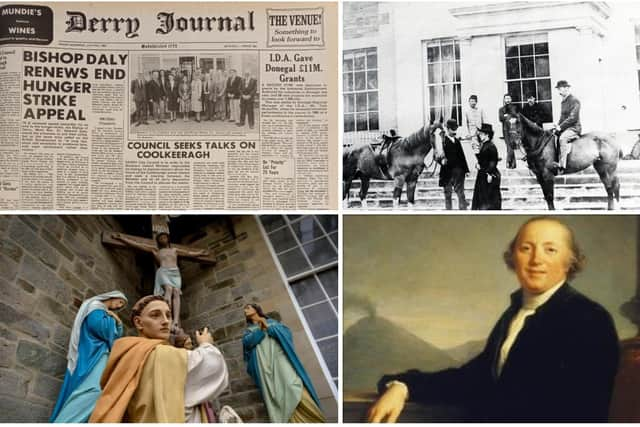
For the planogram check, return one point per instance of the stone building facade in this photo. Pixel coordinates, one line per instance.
(214, 297)
(50, 264)
(427, 58)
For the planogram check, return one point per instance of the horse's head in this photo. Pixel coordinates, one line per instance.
(424, 139)
(513, 128)
(436, 133)
(523, 131)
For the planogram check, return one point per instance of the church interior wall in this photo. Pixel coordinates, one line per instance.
(49, 265)
(214, 297)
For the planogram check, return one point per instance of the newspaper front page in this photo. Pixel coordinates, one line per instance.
(168, 106)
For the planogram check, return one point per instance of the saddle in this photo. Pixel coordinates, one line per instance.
(382, 153)
(635, 152)
(569, 145)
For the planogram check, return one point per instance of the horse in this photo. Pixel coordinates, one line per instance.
(405, 160)
(596, 149)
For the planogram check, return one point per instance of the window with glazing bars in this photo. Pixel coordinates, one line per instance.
(527, 71)
(443, 81)
(306, 246)
(360, 90)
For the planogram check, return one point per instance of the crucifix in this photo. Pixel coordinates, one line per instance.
(168, 281)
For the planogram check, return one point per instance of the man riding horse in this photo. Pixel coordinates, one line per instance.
(568, 128)
(598, 149)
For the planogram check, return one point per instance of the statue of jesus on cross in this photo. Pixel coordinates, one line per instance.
(168, 282)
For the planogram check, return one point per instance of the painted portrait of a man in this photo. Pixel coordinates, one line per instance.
(550, 356)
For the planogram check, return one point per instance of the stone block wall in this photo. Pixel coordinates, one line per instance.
(215, 296)
(48, 266)
(361, 19)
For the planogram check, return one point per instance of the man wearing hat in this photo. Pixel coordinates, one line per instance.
(454, 167)
(568, 127)
(473, 117)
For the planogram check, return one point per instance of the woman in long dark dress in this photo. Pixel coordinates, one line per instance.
(486, 193)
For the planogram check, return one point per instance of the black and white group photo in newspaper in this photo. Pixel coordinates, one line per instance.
(212, 91)
(508, 105)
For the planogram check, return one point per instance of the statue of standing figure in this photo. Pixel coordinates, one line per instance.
(168, 282)
(95, 329)
(274, 366)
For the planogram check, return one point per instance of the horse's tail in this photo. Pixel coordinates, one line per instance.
(350, 159)
(347, 156)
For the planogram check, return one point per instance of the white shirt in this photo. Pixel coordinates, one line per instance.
(473, 118)
(530, 303)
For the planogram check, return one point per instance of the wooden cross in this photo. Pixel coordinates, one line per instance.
(183, 250)
(160, 224)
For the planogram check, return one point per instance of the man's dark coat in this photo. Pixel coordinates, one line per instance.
(234, 87)
(560, 368)
(534, 113)
(155, 91)
(570, 114)
(454, 154)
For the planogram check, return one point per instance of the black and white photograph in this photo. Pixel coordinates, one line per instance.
(194, 93)
(491, 106)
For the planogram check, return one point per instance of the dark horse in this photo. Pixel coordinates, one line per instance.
(594, 148)
(405, 160)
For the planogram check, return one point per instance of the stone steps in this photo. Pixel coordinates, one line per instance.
(425, 185)
(531, 190)
(520, 191)
(579, 202)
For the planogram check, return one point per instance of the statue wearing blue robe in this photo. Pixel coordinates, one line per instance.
(81, 387)
(283, 382)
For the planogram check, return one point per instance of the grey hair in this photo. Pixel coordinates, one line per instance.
(577, 262)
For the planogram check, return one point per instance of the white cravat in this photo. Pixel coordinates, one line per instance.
(530, 304)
